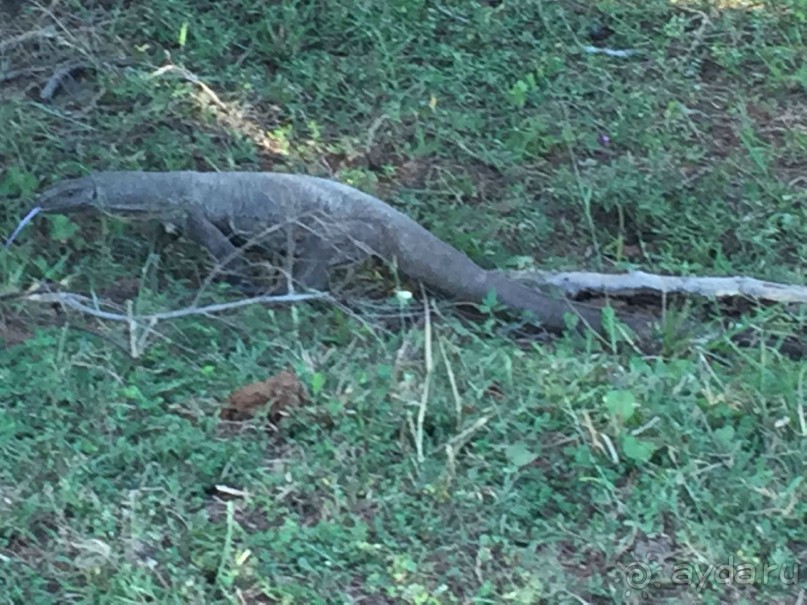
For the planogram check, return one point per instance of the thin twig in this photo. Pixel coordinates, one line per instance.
(74, 301)
(48, 32)
(7, 76)
(194, 79)
(424, 399)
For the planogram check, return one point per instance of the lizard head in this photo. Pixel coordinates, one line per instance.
(67, 196)
(71, 195)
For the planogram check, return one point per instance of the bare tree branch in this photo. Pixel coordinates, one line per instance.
(76, 302)
(573, 283)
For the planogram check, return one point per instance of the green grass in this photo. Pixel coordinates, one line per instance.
(505, 472)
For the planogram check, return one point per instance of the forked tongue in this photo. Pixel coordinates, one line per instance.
(26, 219)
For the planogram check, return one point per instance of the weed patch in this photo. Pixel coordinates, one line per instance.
(525, 472)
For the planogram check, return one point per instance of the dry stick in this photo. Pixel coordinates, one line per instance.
(194, 79)
(43, 292)
(424, 399)
(573, 283)
(48, 32)
(457, 442)
(137, 345)
(452, 380)
(73, 301)
(13, 74)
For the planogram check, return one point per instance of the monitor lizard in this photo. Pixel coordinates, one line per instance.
(332, 223)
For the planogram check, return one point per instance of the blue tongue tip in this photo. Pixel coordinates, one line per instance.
(26, 219)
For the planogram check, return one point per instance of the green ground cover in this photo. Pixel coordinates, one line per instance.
(435, 462)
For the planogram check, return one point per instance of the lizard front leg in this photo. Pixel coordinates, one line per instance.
(207, 234)
(311, 266)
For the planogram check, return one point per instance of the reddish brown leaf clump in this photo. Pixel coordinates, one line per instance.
(278, 393)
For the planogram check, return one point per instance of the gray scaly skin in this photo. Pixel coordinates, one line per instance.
(335, 223)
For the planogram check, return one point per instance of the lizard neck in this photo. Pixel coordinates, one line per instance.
(158, 193)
